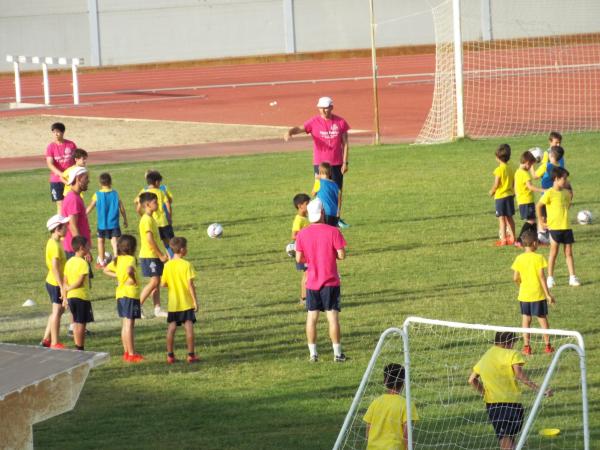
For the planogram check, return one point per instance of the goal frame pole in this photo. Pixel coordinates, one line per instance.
(458, 70)
(376, 139)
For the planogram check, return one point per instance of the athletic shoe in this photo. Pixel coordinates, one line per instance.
(510, 240)
(342, 224)
(45, 342)
(58, 346)
(574, 281)
(550, 282)
(501, 243)
(549, 349)
(340, 358)
(125, 356)
(142, 315)
(192, 359)
(159, 313)
(526, 350)
(171, 359)
(135, 358)
(313, 358)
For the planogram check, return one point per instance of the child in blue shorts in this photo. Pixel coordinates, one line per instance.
(300, 222)
(504, 196)
(329, 194)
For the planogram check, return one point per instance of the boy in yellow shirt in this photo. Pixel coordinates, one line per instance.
(495, 377)
(386, 416)
(80, 156)
(557, 201)
(178, 277)
(534, 296)
(504, 195)
(55, 262)
(301, 221)
(524, 190)
(152, 256)
(77, 289)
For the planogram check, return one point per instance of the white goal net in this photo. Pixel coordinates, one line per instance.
(528, 66)
(439, 356)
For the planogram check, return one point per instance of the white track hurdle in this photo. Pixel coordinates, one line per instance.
(45, 61)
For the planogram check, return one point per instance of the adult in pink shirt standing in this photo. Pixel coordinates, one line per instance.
(59, 156)
(74, 209)
(320, 246)
(330, 137)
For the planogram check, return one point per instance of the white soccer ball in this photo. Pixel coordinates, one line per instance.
(290, 249)
(543, 238)
(537, 153)
(584, 217)
(214, 230)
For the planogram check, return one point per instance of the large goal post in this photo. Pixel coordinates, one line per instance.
(438, 357)
(514, 67)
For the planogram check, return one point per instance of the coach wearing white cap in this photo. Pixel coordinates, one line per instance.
(330, 137)
(74, 208)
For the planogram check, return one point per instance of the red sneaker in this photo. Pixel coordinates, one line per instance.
(501, 243)
(171, 359)
(510, 240)
(45, 343)
(58, 346)
(526, 350)
(193, 359)
(125, 356)
(135, 358)
(549, 349)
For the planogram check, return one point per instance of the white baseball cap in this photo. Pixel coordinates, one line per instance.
(75, 173)
(325, 102)
(315, 208)
(55, 221)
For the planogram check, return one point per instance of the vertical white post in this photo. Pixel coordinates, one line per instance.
(486, 20)
(95, 45)
(75, 83)
(289, 26)
(458, 69)
(407, 393)
(46, 83)
(17, 82)
(376, 140)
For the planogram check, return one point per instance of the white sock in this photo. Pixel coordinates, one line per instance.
(312, 348)
(71, 326)
(337, 349)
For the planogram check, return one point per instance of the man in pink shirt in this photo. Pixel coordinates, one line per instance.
(74, 208)
(330, 137)
(59, 156)
(320, 246)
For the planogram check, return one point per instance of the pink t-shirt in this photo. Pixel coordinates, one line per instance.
(73, 204)
(319, 243)
(62, 154)
(327, 137)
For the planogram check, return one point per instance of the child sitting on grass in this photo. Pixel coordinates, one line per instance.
(124, 268)
(178, 277)
(386, 416)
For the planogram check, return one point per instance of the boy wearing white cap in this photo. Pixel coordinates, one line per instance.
(330, 137)
(320, 246)
(74, 209)
(55, 262)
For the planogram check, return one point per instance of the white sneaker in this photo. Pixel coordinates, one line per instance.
(159, 313)
(550, 282)
(574, 281)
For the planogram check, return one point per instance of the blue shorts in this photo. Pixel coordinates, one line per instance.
(562, 236)
(109, 234)
(301, 267)
(538, 309)
(54, 293)
(332, 220)
(527, 211)
(151, 267)
(129, 308)
(325, 299)
(506, 418)
(57, 190)
(166, 232)
(180, 317)
(505, 207)
(81, 310)
(336, 175)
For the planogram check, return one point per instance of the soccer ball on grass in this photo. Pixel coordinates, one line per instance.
(584, 217)
(214, 230)
(290, 249)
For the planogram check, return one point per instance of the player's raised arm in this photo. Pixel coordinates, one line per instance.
(293, 131)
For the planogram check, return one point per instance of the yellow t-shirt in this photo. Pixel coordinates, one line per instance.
(507, 180)
(159, 215)
(387, 416)
(54, 250)
(557, 208)
(176, 276)
(65, 178)
(148, 224)
(74, 268)
(528, 265)
(299, 223)
(523, 193)
(497, 375)
(541, 170)
(121, 268)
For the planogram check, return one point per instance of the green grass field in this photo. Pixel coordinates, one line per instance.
(420, 244)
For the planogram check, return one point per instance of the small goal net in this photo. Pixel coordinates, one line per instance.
(439, 356)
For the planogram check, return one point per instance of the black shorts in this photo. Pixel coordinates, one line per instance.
(336, 175)
(325, 299)
(129, 308)
(527, 211)
(166, 232)
(507, 418)
(538, 309)
(57, 190)
(505, 206)
(109, 234)
(81, 310)
(332, 220)
(54, 293)
(179, 317)
(562, 236)
(151, 267)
